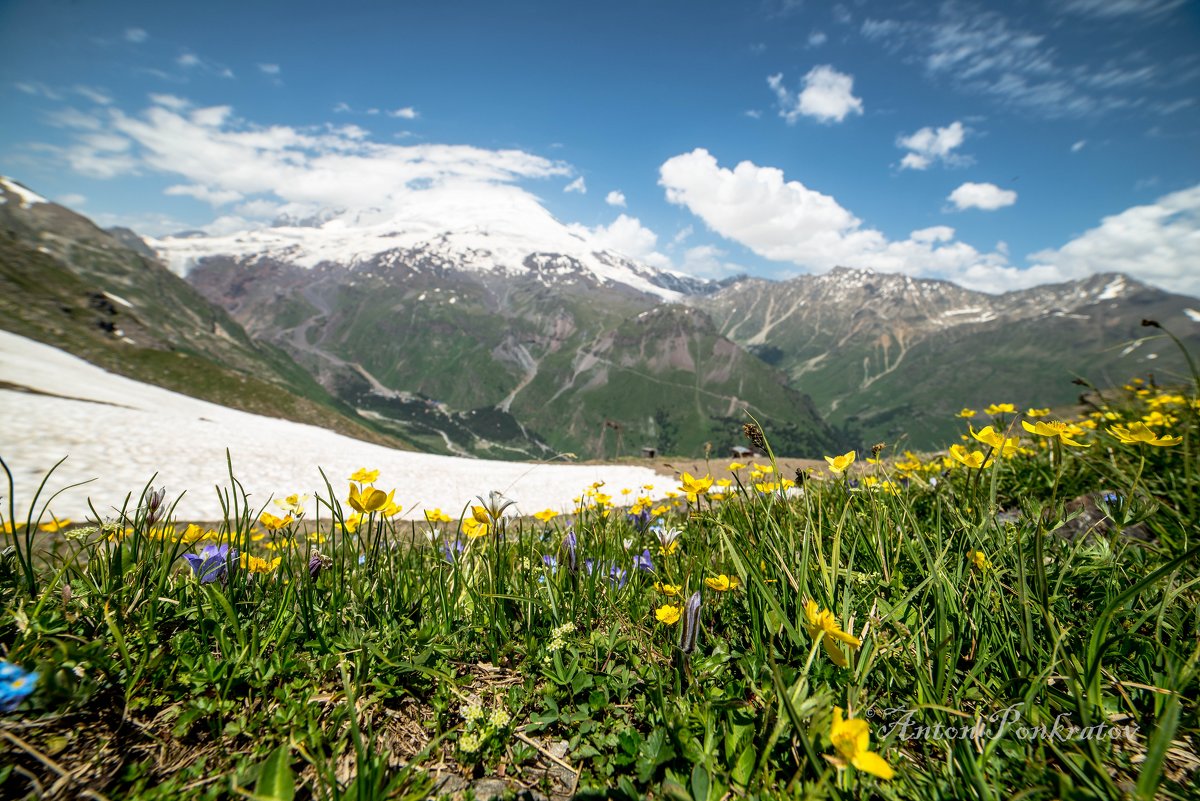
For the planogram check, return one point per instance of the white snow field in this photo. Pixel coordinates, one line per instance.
(120, 432)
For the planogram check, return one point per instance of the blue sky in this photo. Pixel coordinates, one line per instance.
(1054, 138)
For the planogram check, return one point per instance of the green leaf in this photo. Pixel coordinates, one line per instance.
(743, 769)
(276, 781)
(699, 783)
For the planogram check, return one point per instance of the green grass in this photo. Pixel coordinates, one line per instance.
(400, 673)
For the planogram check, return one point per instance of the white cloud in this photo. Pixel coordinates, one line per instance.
(97, 96)
(789, 222)
(827, 96)
(1122, 8)
(683, 234)
(341, 108)
(1158, 243)
(217, 197)
(817, 38)
(136, 35)
(269, 69)
(981, 52)
(987, 197)
(615, 198)
(627, 235)
(170, 101)
(1075, 148)
(72, 200)
(221, 158)
(406, 113)
(928, 146)
(707, 261)
(188, 60)
(753, 113)
(578, 185)
(73, 118)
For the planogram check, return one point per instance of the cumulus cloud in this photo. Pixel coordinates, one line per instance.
(1158, 242)
(406, 113)
(578, 185)
(987, 197)
(827, 96)
(615, 198)
(787, 221)
(817, 38)
(928, 146)
(627, 235)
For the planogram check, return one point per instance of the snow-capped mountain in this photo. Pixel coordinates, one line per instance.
(512, 235)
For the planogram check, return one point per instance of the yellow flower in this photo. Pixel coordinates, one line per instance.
(352, 522)
(1000, 408)
(475, 528)
(1004, 446)
(1053, 428)
(256, 565)
(667, 614)
(972, 459)
(272, 523)
(55, 525)
(365, 476)
(822, 625)
(437, 516)
(839, 463)
(668, 589)
(736, 466)
(1138, 433)
(669, 549)
(546, 515)
(695, 486)
(722, 583)
(852, 740)
(368, 499)
(965, 413)
(194, 533)
(1036, 412)
(292, 504)
(390, 508)
(979, 560)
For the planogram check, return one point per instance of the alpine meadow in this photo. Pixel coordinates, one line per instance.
(535, 401)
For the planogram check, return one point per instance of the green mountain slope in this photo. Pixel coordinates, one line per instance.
(66, 282)
(523, 365)
(885, 354)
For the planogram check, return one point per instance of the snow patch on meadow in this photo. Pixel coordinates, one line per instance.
(118, 433)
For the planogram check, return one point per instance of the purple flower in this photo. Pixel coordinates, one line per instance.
(691, 624)
(154, 500)
(549, 561)
(318, 562)
(570, 542)
(212, 563)
(644, 562)
(452, 550)
(617, 576)
(640, 521)
(15, 685)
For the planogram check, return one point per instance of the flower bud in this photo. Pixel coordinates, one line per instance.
(690, 624)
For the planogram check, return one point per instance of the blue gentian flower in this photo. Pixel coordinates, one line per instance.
(569, 541)
(212, 563)
(15, 685)
(640, 521)
(617, 576)
(644, 562)
(452, 550)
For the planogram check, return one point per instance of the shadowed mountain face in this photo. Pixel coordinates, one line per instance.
(886, 355)
(66, 282)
